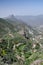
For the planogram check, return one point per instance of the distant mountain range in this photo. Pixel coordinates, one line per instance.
(32, 20)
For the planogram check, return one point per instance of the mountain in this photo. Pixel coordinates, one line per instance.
(20, 24)
(12, 19)
(32, 20)
(12, 24)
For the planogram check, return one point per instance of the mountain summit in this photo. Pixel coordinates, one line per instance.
(11, 17)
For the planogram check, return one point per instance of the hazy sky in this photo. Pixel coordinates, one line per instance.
(21, 7)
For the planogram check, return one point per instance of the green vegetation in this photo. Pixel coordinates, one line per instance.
(18, 49)
(22, 52)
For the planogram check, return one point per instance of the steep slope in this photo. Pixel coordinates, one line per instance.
(5, 27)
